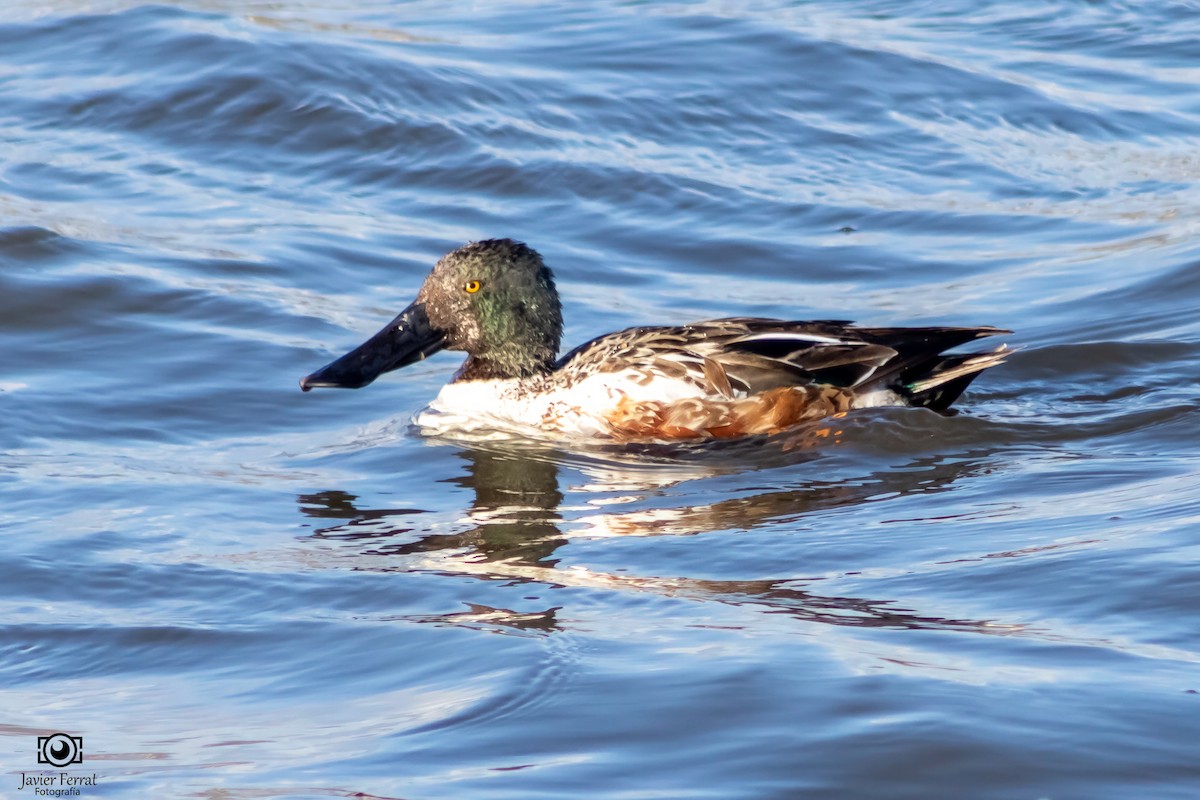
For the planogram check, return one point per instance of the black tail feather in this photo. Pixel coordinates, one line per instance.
(937, 384)
(940, 398)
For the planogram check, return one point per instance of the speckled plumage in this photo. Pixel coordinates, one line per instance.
(713, 379)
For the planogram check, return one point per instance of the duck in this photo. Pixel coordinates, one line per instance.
(496, 301)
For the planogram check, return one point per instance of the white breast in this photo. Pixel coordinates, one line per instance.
(537, 405)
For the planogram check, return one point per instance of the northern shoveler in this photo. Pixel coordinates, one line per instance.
(496, 301)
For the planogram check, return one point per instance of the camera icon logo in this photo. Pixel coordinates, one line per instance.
(60, 749)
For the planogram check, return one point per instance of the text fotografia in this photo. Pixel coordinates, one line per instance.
(62, 784)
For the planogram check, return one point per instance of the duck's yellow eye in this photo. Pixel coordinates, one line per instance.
(473, 286)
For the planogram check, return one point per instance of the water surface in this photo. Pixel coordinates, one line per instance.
(232, 590)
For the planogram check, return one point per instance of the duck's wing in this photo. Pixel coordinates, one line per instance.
(742, 356)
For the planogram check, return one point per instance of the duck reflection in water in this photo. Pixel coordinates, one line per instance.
(515, 528)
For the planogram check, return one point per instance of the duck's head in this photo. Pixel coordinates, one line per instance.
(495, 300)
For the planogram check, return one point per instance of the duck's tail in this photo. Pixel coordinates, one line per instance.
(940, 385)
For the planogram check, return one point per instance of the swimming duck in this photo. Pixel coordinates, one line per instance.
(496, 301)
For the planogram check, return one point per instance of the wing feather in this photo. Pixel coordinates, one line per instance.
(739, 356)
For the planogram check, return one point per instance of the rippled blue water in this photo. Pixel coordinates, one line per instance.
(233, 590)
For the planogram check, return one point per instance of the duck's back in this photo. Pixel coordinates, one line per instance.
(754, 354)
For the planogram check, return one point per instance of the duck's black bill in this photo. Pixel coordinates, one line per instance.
(405, 340)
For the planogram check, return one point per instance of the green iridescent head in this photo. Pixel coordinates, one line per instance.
(494, 300)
